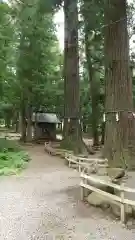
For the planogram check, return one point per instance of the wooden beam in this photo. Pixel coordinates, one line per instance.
(122, 208)
(113, 198)
(108, 183)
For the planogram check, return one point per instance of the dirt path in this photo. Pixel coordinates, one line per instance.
(44, 203)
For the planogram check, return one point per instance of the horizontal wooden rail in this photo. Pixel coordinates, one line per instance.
(79, 164)
(108, 183)
(99, 160)
(85, 163)
(92, 159)
(106, 194)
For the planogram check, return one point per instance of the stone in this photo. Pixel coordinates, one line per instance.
(91, 170)
(128, 181)
(102, 171)
(98, 200)
(116, 210)
(130, 224)
(101, 186)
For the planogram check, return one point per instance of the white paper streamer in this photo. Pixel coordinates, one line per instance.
(133, 114)
(117, 117)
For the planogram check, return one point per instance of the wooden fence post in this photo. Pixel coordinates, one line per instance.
(69, 162)
(122, 205)
(82, 193)
(79, 166)
(82, 190)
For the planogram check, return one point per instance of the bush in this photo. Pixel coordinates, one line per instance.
(12, 158)
(9, 145)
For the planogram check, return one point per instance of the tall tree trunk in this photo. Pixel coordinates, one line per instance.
(103, 133)
(119, 103)
(23, 122)
(94, 89)
(36, 130)
(29, 124)
(72, 129)
(16, 122)
(20, 76)
(7, 121)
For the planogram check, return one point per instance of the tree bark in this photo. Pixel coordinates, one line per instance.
(23, 122)
(36, 130)
(72, 129)
(7, 122)
(118, 102)
(102, 133)
(16, 121)
(29, 124)
(94, 90)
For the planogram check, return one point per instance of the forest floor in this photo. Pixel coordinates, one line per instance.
(43, 202)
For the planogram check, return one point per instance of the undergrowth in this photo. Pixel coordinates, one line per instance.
(12, 158)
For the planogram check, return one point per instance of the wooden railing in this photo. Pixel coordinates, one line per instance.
(84, 163)
(121, 201)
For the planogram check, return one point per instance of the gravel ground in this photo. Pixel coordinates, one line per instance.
(44, 203)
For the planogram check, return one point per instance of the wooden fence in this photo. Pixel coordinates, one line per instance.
(85, 163)
(121, 201)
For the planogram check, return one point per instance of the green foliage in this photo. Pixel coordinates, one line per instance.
(92, 83)
(50, 5)
(31, 62)
(12, 158)
(6, 38)
(12, 162)
(38, 65)
(9, 145)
